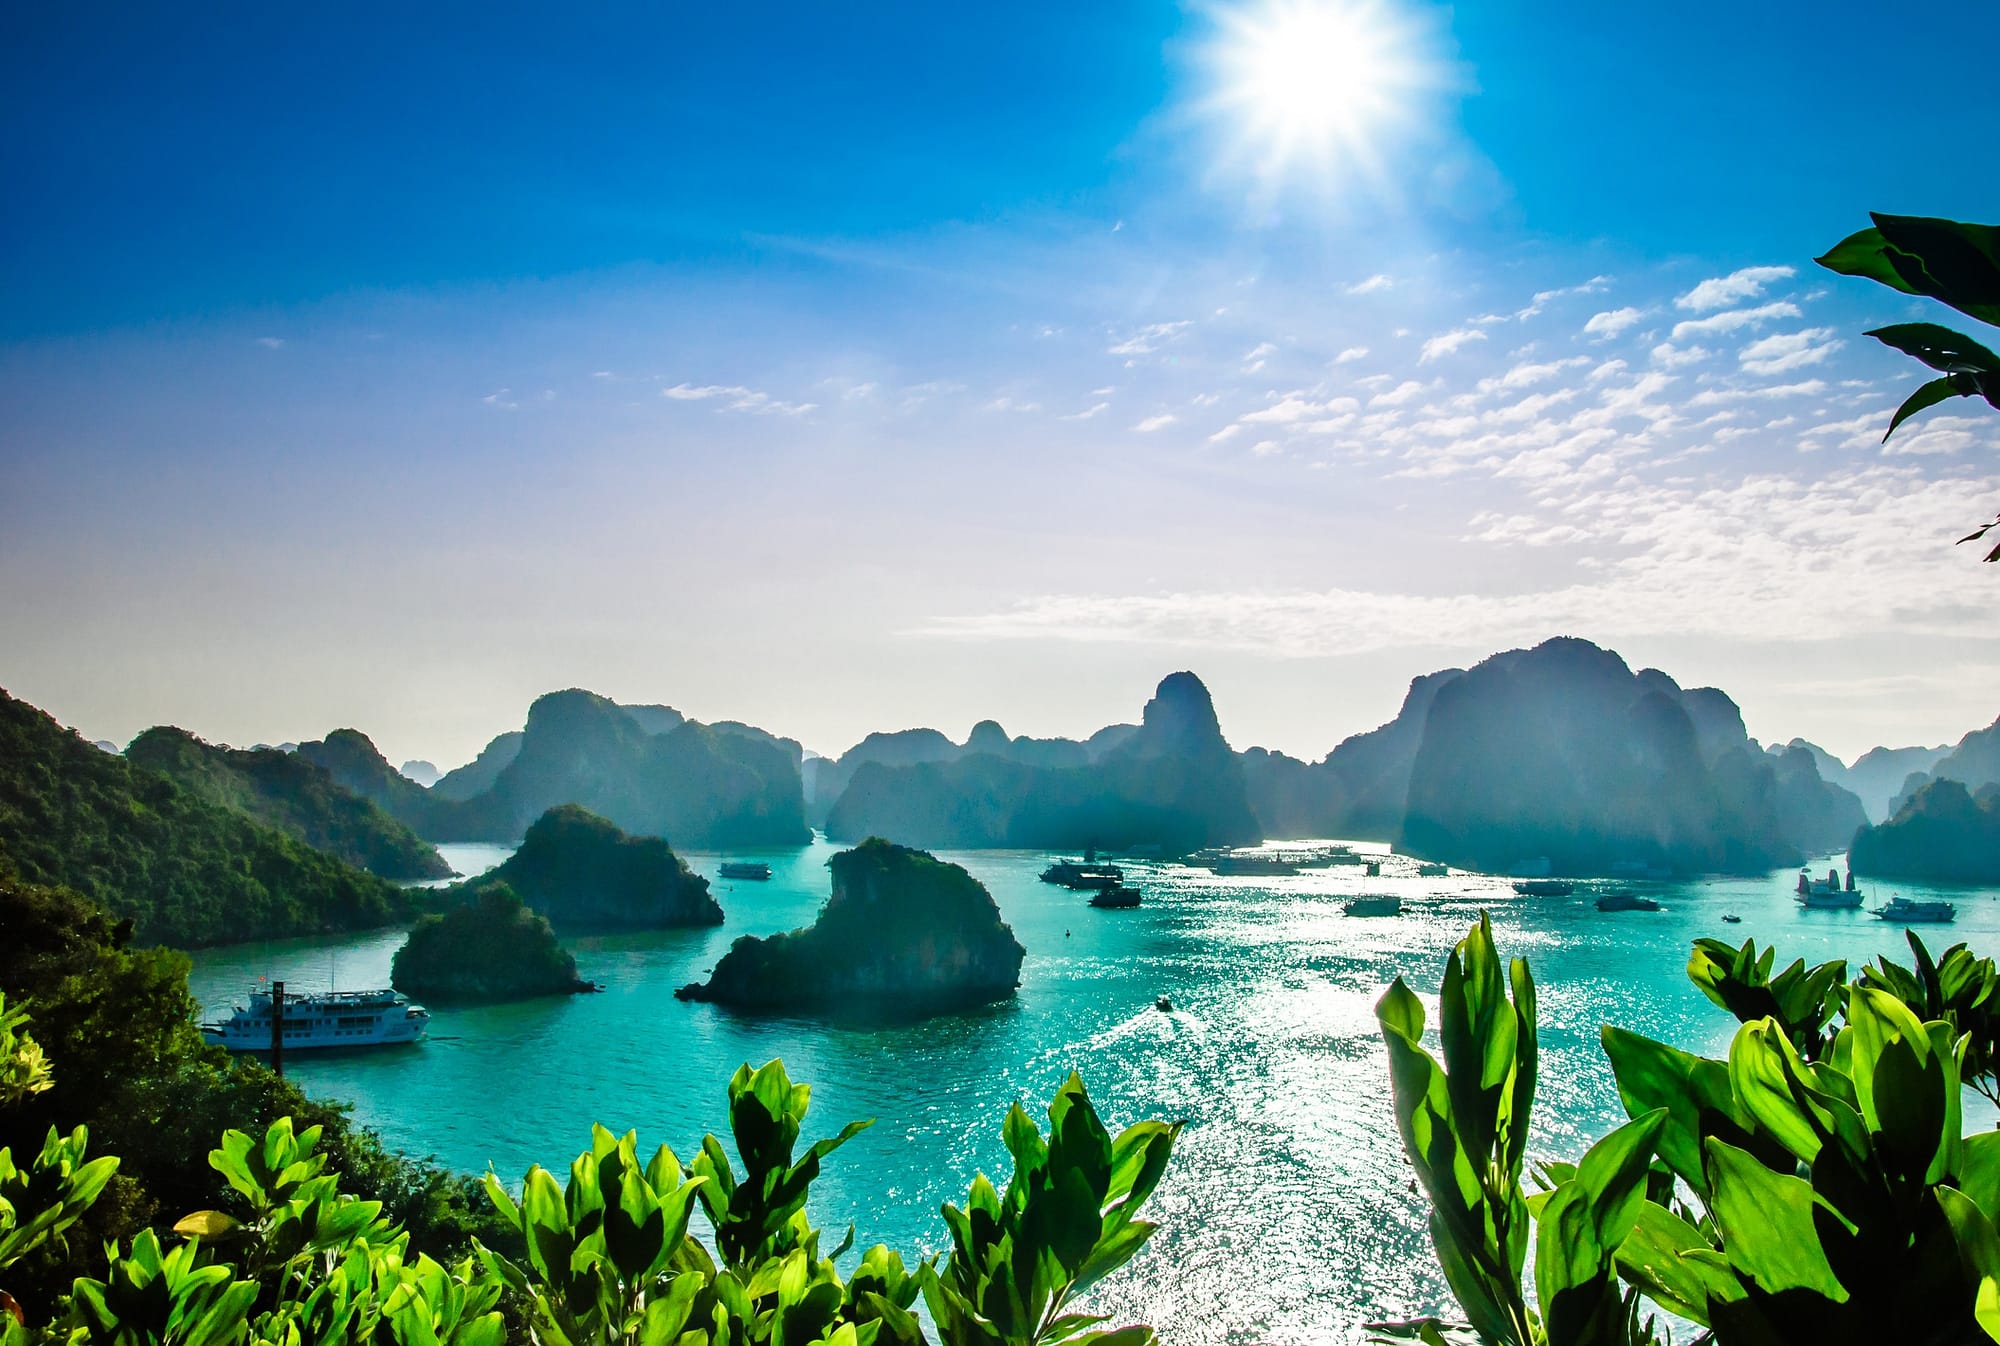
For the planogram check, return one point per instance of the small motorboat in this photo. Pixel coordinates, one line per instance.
(1905, 910)
(1544, 888)
(1626, 902)
(743, 869)
(1117, 897)
(1373, 904)
(1732, 918)
(1164, 1005)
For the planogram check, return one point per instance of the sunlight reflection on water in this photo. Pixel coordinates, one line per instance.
(1286, 1215)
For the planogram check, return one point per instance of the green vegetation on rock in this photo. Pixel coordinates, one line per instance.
(583, 873)
(184, 871)
(294, 795)
(491, 948)
(901, 926)
(1945, 833)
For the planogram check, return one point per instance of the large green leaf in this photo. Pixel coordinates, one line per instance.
(1766, 1222)
(1946, 260)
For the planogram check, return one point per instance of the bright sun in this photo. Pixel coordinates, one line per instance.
(1320, 83)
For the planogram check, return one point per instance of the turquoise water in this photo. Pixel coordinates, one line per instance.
(1286, 1213)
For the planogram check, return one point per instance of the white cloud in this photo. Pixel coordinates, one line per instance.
(1526, 375)
(1089, 413)
(1371, 285)
(1767, 558)
(1402, 394)
(1606, 370)
(1445, 343)
(1254, 360)
(271, 343)
(1149, 338)
(735, 397)
(1791, 350)
(1159, 422)
(1009, 404)
(1669, 356)
(1734, 319)
(1265, 448)
(1350, 355)
(1225, 434)
(1734, 288)
(1604, 326)
(502, 398)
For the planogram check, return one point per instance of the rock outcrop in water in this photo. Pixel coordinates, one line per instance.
(902, 927)
(492, 948)
(1945, 833)
(1172, 783)
(1562, 751)
(583, 873)
(294, 795)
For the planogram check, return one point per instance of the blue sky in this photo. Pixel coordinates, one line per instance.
(844, 371)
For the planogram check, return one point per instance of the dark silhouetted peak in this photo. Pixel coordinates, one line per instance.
(1180, 718)
(988, 736)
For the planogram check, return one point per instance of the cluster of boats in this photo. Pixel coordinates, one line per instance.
(1833, 894)
(1105, 883)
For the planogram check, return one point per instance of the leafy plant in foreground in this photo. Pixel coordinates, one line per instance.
(1770, 1198)
(609, 1256)
(1956, 263)
(1958, 987)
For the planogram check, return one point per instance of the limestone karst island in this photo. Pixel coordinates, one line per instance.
(1260, 673)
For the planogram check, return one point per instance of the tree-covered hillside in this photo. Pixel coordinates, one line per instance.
(294, 795)
(184, 871)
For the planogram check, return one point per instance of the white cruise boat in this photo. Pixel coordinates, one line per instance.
(1905, 910)
(320, 1019)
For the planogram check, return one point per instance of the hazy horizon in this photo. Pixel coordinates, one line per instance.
(842, 373)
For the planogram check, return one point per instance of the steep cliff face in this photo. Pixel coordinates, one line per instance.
(477, 776)
(1170, 782)
(901, 926)
(1359, 790)
(289, 792)
(1562, 751)
(1973, 762)
(491, 949)
(1944, 833)
(583, 873)
(1816, 815)
(1877, 776)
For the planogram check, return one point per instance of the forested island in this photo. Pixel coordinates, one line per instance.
(902, 927)
(584, 873)
(296, 796)
(182, 870)
(490, 948)
(1945, 833)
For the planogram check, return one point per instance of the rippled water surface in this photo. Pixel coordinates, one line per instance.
(1286, 1213)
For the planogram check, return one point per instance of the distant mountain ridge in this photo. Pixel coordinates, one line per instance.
(648, 769)
(1171, 782)
(294, 795)
(916, 747)
(1973, 761)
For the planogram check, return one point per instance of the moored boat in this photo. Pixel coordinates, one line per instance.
(1906, 910)
(1082, 874)
(1828, 894)
(1373, 904)
(743, 869)
(315, 1020)
(1544, 887)
(1115, 896)
(1431, 871)
(1626, 902)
